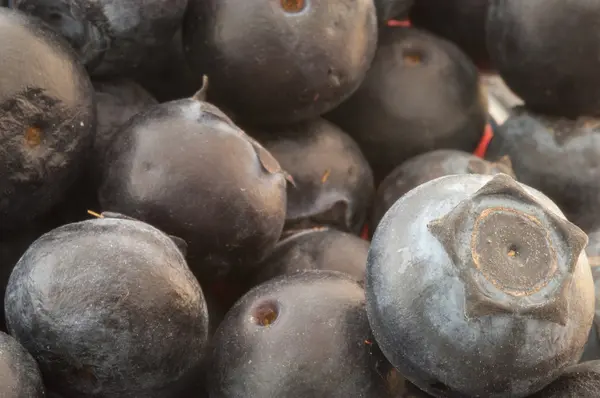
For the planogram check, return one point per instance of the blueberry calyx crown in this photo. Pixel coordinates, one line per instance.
(520, 256)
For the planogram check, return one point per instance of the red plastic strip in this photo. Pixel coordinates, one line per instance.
(484, 143)
(365, 232)
(401, 24)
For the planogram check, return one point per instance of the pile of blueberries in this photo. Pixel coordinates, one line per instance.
(299, 198)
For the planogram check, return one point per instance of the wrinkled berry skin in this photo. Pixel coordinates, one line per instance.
(318, 248)
(554, 70)
(272, 65)
(581, 381)
(558, 156)
(186, 168)
(333, 182)
(332, 356)
(110, 36)
(427, 167)
(421, 93)
(47, 118)
(109, 308)
(450, 301)
(19, 373)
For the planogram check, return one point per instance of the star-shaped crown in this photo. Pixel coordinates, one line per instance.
(514, 255)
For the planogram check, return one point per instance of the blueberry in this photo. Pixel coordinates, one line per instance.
(317, 248)
(477, 285)
(19, 374)
(558, 156)
(117, 101)
(541, 49)
(581, 381)
(426, 167)
(186, 168)
(166, 74)
(110, 36)
(283, 61)
(332, 180)
(460, 21)
(47, 118)
(304, 335)
(109, 308)
(421, 93)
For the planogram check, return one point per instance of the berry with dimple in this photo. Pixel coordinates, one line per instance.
(460, 21)
(332, 355)
(47, 118)
(279, 62)
(422, 93)
(463, 256)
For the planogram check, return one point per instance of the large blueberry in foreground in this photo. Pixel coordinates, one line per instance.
(299, 336)
(110, 36)
(47, 118)
(280, 61)
(546, 51)
(19, 374)
(186, 168)
(109, 308)
(478, 286)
